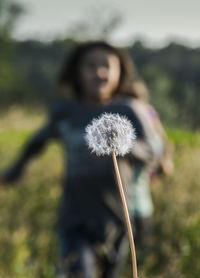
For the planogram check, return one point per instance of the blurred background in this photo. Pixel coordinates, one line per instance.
(164, 41)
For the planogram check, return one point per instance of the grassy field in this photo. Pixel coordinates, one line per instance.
(28, 209)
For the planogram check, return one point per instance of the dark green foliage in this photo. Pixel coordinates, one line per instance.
(172, 75)
(29, 74)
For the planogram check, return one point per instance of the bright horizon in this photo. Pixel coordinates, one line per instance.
(155, 22)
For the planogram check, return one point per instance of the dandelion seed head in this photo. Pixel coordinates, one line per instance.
(110, 133)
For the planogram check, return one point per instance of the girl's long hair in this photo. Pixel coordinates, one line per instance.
(69, 75)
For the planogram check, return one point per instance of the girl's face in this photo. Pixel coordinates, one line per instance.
(99, 75)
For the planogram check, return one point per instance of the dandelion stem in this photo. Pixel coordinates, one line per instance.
(127, 218)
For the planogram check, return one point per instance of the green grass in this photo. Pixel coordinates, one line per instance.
(28, 209)
(184, 137)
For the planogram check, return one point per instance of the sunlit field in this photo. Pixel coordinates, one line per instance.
(28, 208)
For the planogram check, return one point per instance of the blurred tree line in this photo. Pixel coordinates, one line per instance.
(28, 72)
(171, 73)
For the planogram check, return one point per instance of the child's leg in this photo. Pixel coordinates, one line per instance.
(143, 227)
(78, 260)
(113, 264)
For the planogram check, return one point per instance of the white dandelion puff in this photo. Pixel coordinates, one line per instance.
(110, 133)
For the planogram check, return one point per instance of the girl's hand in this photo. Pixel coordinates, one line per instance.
(11, 175)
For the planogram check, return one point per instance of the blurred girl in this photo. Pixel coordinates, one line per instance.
(91, 226)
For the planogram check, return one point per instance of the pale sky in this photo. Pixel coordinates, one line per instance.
(155, 21)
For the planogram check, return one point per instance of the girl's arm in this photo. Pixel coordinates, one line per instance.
(142, 149)
(31, 149)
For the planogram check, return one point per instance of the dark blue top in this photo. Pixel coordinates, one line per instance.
(90, 193)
